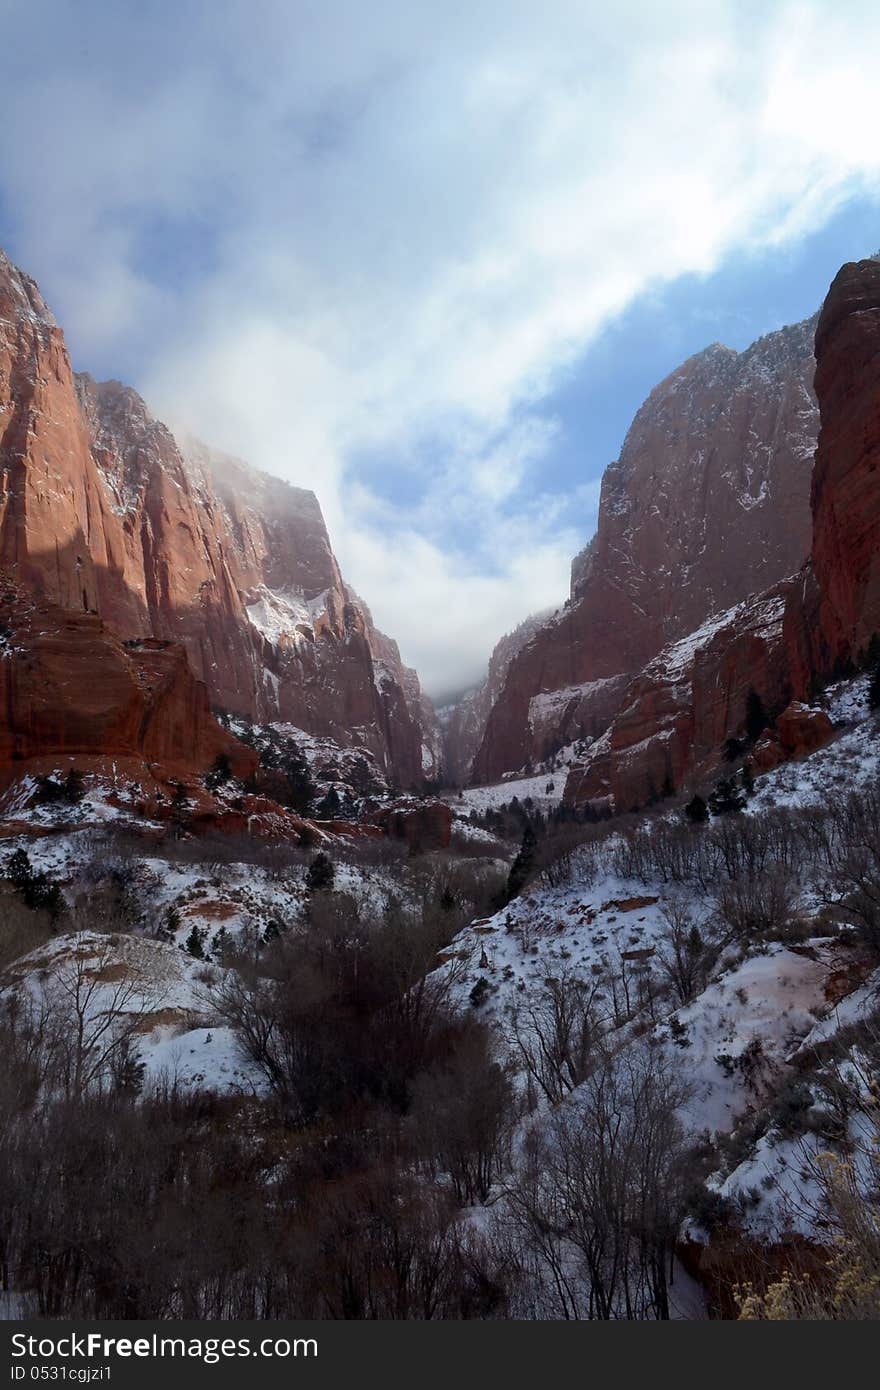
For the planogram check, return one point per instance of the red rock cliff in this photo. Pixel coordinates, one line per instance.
(846, 478)
(708, 502)
(102, 512)
(678, 712)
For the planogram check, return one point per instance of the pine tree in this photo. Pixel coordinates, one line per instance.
(522, 864)
(74, 786)
(180, 809)
(300, 786)
(194, 943)
(727, 797)
(321, 874)
(330, 805)
(696, 810)
(220, 772)
(478, 994)
(221, 945)
(170, 925)
(748, 779)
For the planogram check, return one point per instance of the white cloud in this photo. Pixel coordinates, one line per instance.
(392, 226)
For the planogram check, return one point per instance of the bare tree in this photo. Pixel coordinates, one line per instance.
(684, 955)
(554, 1036)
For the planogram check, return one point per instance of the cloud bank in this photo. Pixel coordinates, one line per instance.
(360, 244)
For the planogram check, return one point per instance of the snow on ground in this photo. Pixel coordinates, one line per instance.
(744, 1026)
(18, 803)
(164, 990)
(583, 929)
(545, 790)
(851, 761)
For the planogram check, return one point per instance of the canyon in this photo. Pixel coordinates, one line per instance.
(725, 562)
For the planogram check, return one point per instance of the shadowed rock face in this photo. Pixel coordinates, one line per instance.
(846, 479)
(708, 502)
(102, 512)
(678, 712)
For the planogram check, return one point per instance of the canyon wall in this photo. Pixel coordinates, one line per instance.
(708, 503)
(102, 512)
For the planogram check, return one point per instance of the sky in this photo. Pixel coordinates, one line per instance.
(427, 259)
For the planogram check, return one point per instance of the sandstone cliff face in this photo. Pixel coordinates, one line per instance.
(102, 512)
(70, 687)
(678, 712)
(463, 723)
(846, 479)
(708, 502)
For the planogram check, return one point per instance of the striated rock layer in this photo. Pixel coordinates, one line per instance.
(102, 512)
(708, 502)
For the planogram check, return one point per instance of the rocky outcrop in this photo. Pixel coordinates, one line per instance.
(708, 502)
(70, 688)
(799, 730)
(101, 511)
(677, 714)
(423, 825)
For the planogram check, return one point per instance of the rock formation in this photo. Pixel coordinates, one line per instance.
(463, 721)
(846, 480)
(71, 689)
(102, 512)
(708, 502)
(677, 714)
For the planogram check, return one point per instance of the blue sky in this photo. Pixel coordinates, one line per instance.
(430, 264)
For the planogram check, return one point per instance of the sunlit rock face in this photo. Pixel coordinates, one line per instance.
(104, 512)
(709, 502)
(70, 688)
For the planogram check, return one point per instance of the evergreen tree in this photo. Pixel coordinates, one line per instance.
(74, 786)
(180, 809)
(169, 926)
(478, 993)
(697, 811)
(36, 889)
(874, 688)
(300, 785)
(330, 805)
(733, 749)
(522, 864)
(194, 943)
(748, 779)
(220, 772)
(727, 797)
(321, 874)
